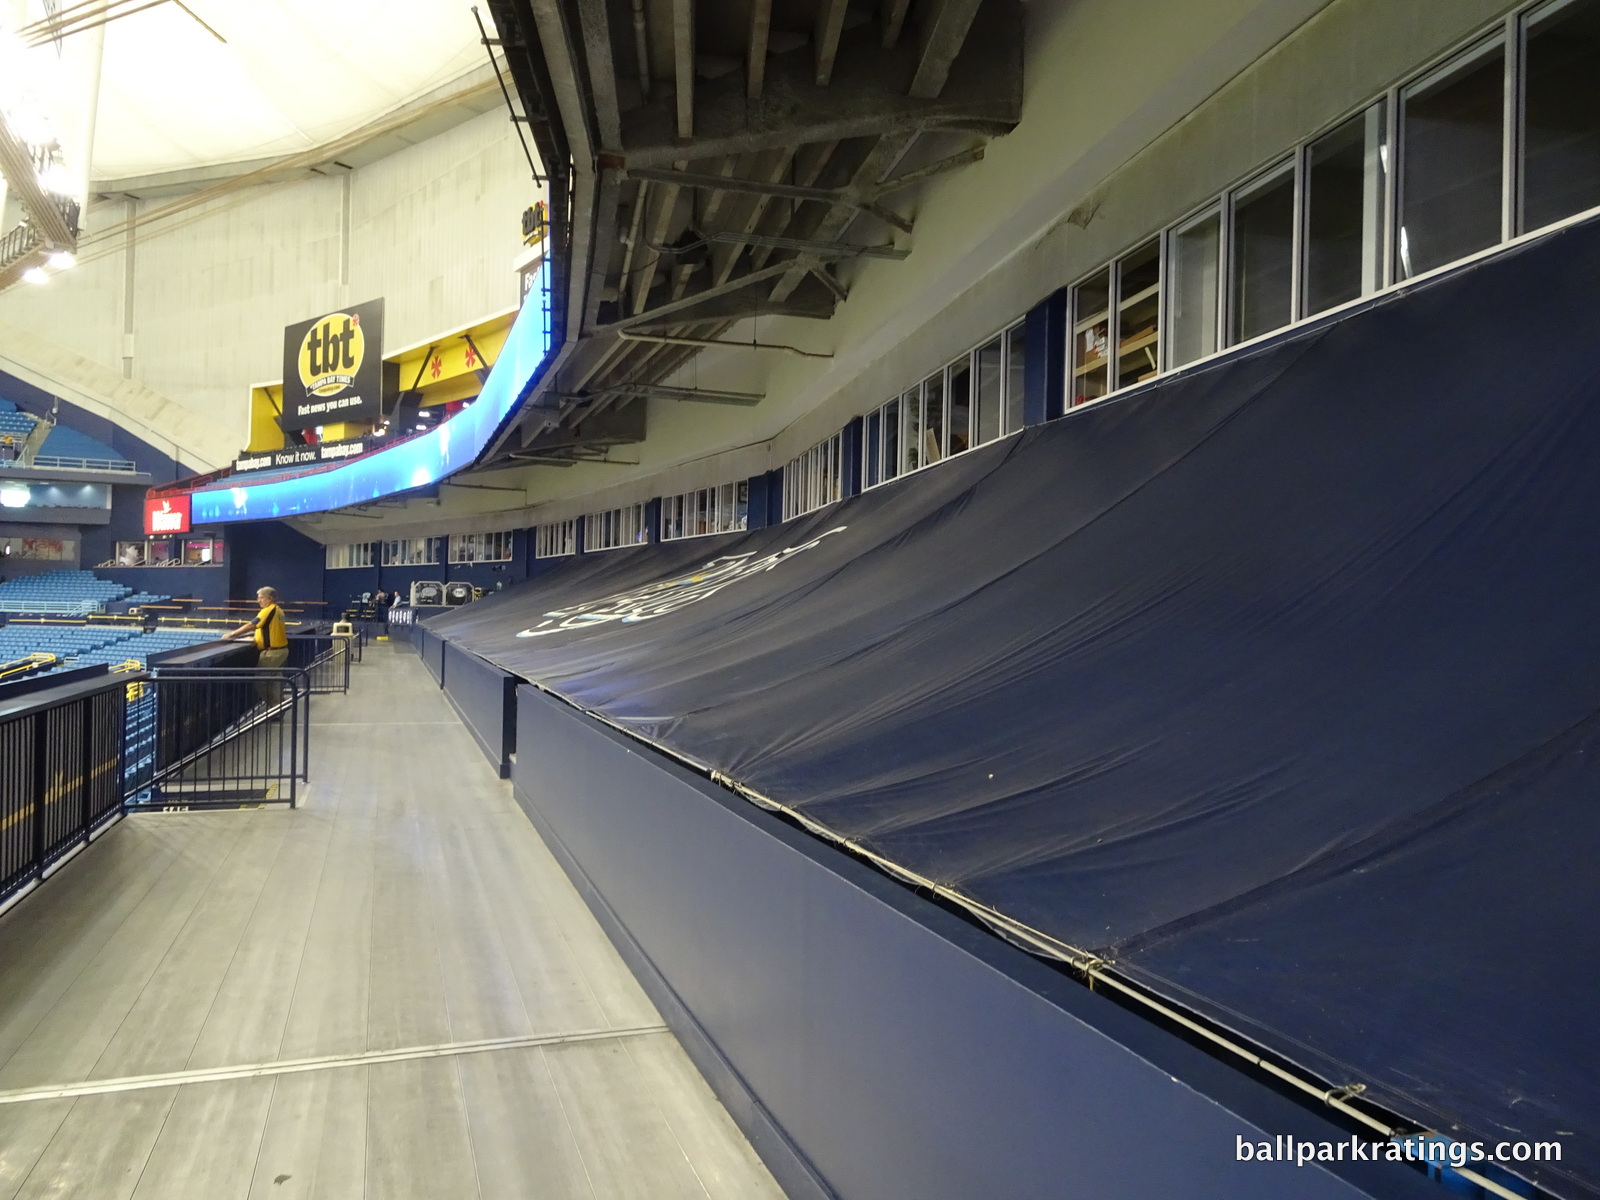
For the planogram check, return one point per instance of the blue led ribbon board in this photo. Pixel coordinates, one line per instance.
(414, 463)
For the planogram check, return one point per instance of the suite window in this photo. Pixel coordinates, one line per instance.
(614, 528)
(1560, 112)
(1138, 313)
(988, 411)
(1016, 377)
(1261, 246)
(1452, 132)
(1196, 268)
(911, 430)
(558, 539)
(891, 439)
(481, 547)
(933, 424)
(353, 554)
(722, 509)
(1346, 181)
(960, 388)
(410, 552)
(870, 461)
(1091, 339)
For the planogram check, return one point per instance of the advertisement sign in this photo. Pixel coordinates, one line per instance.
(170, 514)
(410, 463)
(333, 367)
(300, 456)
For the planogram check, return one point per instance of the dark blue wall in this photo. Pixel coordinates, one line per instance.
(209, 585)
(485, 698)
(873, 1046)
(271, 554)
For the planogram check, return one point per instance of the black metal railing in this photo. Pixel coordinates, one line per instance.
(218, 738)
(61, 755)
(326, 659)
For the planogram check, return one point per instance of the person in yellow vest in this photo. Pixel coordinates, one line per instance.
(271, 636)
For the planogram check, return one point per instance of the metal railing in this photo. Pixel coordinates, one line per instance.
(217, 738)
(326, 659)
(64, 462)
(61, 756)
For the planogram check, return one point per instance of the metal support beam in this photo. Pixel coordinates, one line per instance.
(683, 64)
(629, 335)
(894, 20)
(830, 24)
(944, 35)
(661, 391)
(804, 246)
(755, 69)
(689, 302)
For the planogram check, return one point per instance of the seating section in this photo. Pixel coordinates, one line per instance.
(64, 593)
(144, 598)
(64, 443)
(84, 645)
(61, 443)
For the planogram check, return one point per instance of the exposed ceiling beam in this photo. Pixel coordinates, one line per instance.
(879, 160)
(944, 35)
(755, 68)
(663, 391)
(805, 246)
(754, 187)
(641, 48)
(867, 97)
(894, 20)
(596, 30)
(665, 200)
(677, 307)
(727, 254)
(683, 64)
(830, 24)
(16, 165)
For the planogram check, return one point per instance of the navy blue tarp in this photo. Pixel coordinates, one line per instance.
(1276, 683)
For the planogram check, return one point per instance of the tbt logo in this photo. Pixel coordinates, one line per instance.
(331, 353)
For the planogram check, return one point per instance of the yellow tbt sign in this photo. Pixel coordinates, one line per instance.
(331, 354)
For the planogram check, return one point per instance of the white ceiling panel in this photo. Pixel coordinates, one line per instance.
(291, 74)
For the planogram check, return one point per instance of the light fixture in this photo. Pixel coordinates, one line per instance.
(62, 260)
(15, 495)
(36, 275)
(56, 178)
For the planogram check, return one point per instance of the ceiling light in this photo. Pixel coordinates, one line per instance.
(36, 275)
(56, 178)
(62, 260)
(15, 495)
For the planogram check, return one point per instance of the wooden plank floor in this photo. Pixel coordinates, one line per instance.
(160, 998)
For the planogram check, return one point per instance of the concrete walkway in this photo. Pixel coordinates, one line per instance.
(273, 1004)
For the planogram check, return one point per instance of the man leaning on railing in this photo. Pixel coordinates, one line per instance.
(271, 637)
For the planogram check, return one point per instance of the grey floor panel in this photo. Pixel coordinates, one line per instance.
(418, 1143)
(209, 1143)
(100, 1150)
(406, 904)
(315, 1145)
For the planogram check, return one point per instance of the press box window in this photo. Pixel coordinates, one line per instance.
(1560, 112)
(354, 554)
(1452, 132)
(1196, 302)
(481, 547)
(557, 539)
(411, 552)
(1139, 314)
(722, 509)
(1347, 173)
(615, 528)
(1261, 245)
